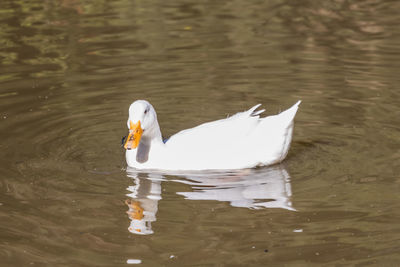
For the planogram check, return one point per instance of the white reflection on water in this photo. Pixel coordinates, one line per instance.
(143, 202)
(249, 188)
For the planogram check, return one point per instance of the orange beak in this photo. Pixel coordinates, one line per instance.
(135, 133)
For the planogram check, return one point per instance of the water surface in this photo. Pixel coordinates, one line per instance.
(69, 70)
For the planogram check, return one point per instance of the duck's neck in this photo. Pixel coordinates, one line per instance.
(150, 138)
(154, 134)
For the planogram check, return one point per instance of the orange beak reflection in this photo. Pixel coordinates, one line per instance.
(135, 133)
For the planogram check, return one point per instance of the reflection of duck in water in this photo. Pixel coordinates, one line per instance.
(249, 188)
(135, 213)
(261, 188)
(143, 203)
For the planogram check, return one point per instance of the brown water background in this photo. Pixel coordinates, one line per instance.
(69, 70)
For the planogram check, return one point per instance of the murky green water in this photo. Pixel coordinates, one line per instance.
(69, 70)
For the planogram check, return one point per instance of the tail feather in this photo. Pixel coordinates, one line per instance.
(252, 110)
(289, 130)
(257, 112)
(289, 113)
(276, 132)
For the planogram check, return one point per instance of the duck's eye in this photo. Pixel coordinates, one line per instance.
(145, 112)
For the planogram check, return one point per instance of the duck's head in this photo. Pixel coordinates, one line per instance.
(142, 121)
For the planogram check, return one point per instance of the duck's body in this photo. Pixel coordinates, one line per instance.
(242, 141)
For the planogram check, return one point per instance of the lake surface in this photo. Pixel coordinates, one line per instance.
(69, 69)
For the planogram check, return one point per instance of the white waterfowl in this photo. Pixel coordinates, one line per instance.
(243, 140)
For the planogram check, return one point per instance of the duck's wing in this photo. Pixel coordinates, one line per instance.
(218, 134)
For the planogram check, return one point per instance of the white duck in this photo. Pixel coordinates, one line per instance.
(243, 140)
